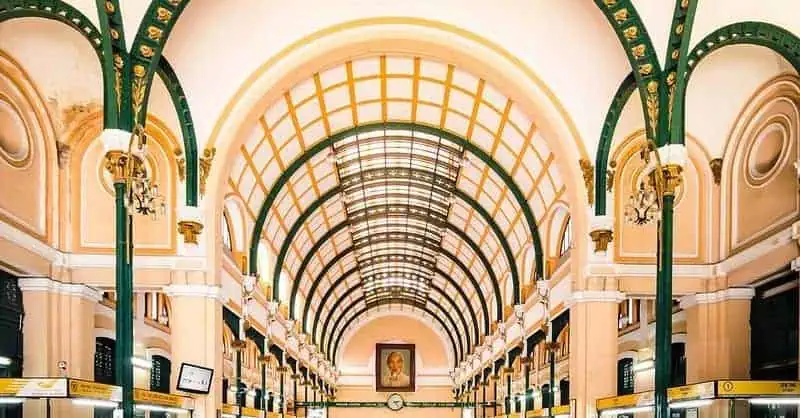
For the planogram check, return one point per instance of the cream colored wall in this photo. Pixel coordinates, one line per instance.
(430, 349)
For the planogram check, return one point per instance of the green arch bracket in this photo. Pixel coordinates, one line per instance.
(176, 93)
(468, 146)
(621, 97)
(776, 38)
(458, 349)
(635, 40)
(334, 192)
(154, 30)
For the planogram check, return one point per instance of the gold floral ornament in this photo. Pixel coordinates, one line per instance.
(205, 167)
(588, 178)
(601, 239)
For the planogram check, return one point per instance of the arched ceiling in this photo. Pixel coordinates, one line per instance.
(473, 226)
(408, 194)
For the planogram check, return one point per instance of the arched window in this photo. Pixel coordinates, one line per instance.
(227, 241)
(156, 309)
(160, 374)
(563, 388)
(625, 376)
(565, 243)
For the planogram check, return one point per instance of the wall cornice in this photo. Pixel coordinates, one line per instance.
(44, 284)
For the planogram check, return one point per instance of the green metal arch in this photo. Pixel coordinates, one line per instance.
(333, 192)
(460, 354)
(776, 38)
(328, 294)
(621, 97)
(424, 309)
(116, 65)
(633, 36)
(176, 93)
(62, 12)
(148, 45)
(468, 146)
(461, 234)
(476, 332)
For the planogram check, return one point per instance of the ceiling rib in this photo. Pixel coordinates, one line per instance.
(397, 187)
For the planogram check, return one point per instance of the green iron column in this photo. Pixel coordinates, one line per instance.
(663, 349)
(116, 163)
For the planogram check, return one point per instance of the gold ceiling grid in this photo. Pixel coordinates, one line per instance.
(399, 88)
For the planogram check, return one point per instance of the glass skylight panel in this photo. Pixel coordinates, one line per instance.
(397, 188)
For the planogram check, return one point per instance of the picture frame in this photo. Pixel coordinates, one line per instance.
(395, 367)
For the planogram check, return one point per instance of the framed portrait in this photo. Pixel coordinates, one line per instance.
(394, 367)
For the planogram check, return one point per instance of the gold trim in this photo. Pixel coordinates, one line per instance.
(588, 178)
(205, 167)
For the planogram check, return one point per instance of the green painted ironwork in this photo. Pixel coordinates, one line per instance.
(632, 34)
(349, 291)
(468, 146)
(324, 300)
(116, 66)
(776, 38)
(179, 101)
(456, 350)
(334, 192)
(123, 349)
(307, 259)
(444, 253)
(624, 92)
(152, 36)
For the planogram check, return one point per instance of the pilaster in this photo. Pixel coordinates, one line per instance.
(718, 334)
(196, 324)
(58, 326)
(593, 345)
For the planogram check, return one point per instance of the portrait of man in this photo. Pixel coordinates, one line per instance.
(394, 367)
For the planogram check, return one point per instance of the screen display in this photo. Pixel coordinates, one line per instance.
(195, 379)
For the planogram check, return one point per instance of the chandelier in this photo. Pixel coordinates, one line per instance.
(643, 206)
(143, 196)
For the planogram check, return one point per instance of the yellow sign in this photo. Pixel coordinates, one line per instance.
(536, 413)
(92, 390)
(250, 412)
(141, 396)
(625, 401)
(561, 410)
(690, 392)
(230, 409)
(34, 388)
(747, 388)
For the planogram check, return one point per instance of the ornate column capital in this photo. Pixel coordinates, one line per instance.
(190, 223)
(601, 230)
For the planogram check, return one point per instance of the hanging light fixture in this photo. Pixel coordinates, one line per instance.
(143, 197)
(643, 207)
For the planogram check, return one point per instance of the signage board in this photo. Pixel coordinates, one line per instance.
(34, 387)
(195, 379)
(92, 390)
(146, 397)
(748, 388)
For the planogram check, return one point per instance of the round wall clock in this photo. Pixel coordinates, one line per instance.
(395, 402)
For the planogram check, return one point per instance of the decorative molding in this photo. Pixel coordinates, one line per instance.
(736, 293)
(588, 296)
(194, 290)
(45, 284)
(716, 169)
(588, 178)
